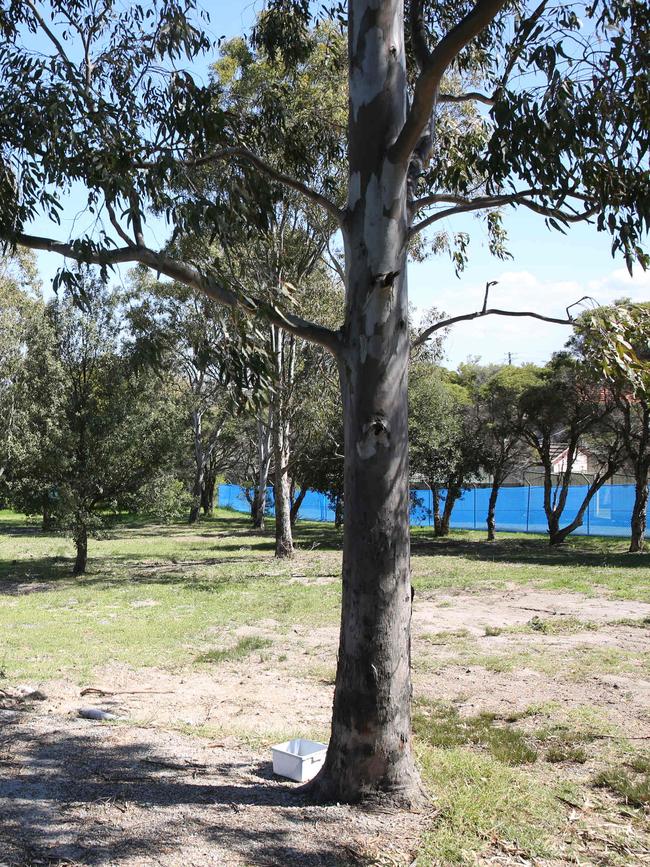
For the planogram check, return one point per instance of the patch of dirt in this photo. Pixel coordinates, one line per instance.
(78, 792)
(622, 698)
(141, 792)
(515, 607)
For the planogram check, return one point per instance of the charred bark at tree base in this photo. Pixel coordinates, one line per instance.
(329, 787)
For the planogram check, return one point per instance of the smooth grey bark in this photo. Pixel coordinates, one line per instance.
(199, 467)
(264, 452)
(369, 751)
(284, 359)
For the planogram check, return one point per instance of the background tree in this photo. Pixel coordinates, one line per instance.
(222, 363)
(615, 341)
(566, 137)
(435, 434)
(500, 418)
(20, 308)
(90, 429)
(566, 410)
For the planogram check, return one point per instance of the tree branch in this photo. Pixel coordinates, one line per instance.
(419, 34)
(187, 274)
(470, 96)
(263, 166)
(518, 46)
(116, 224)
(466, 317)
(72, 72)
(464, 205)
(428, 83)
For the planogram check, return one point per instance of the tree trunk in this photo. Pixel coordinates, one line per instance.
(444, 523)
(437, 518)
(558, 534)
(338, 512)
(639, 515)
(81, 545)
(492, 506)
(369, 752)
(264, 465)
(283, 534)
(207, 493)
(197, 490)
(48, 518)
(199, 468)
(296, 503)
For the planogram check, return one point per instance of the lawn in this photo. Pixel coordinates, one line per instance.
(518, 649)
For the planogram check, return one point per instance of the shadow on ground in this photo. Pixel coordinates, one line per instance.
(537, 551)
(93, 798)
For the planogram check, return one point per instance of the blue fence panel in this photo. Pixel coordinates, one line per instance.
(518, 509)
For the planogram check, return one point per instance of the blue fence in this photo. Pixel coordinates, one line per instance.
(518, 509)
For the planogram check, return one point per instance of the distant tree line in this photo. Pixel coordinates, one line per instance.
(143, 400)
(492, 423)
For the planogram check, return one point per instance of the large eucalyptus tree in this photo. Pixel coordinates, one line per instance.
(562, 131)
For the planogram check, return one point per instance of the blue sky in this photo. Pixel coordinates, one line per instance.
(548, 270)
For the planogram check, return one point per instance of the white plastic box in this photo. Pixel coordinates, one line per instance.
(298, 759)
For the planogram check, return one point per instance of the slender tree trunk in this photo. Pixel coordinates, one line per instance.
(283, 535)
(639, 514)
(453, 493)
(197, 490)
(81, 546)
(199, 468)
(280, 435)
(492, 506)
(437, 518)
(48, 518)
(369, 752)
(296, 503)
(264, 465)
(338, 512)
(207, 493)
(558, 534)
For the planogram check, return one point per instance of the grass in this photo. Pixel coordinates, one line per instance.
(175, 596)
(152, 596)
(243, 648)
(590, 565)
(481, 803)
(631, 786)
(440, 725)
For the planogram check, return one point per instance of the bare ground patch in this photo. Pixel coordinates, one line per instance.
(185, 778)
